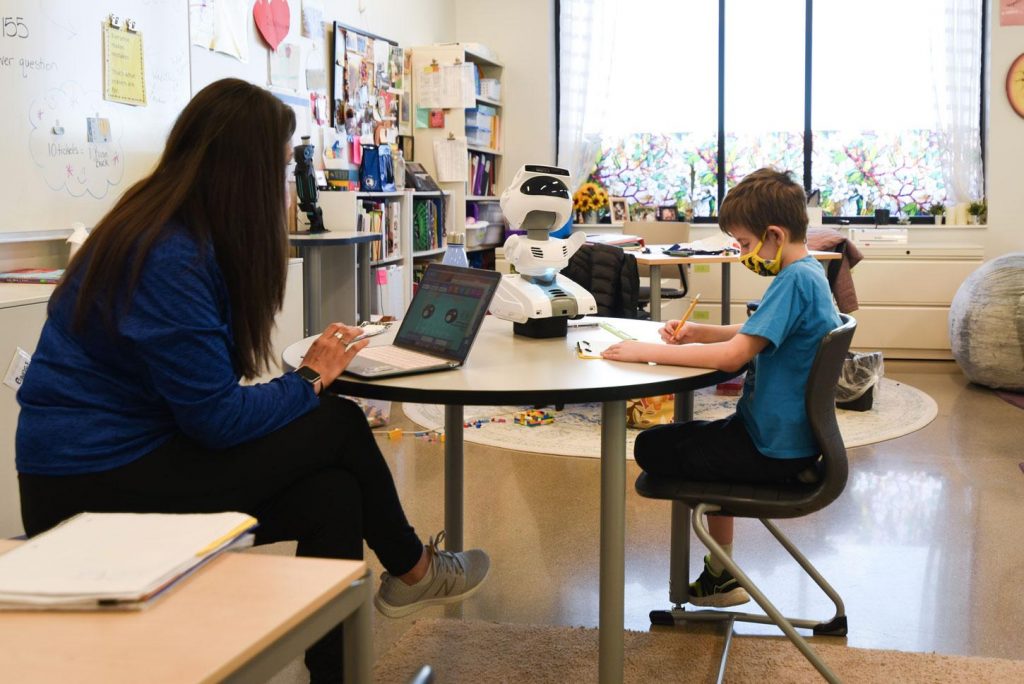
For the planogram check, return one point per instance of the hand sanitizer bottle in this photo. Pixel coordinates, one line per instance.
(455, 253)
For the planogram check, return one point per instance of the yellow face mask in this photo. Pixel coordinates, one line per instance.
(761, 266)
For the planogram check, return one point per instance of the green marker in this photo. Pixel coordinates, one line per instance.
(615, 331)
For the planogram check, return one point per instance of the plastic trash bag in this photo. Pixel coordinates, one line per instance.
(860, 373)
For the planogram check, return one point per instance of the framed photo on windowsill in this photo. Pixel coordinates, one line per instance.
(619, 210)
(669, 212)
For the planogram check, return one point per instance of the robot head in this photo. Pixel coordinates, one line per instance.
(538, 200)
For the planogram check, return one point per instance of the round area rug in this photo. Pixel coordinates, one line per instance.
(898, 409)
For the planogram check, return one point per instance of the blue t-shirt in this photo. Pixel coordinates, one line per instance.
(92, 401)
(794, 315)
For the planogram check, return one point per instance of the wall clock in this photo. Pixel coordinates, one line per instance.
(1015, 85)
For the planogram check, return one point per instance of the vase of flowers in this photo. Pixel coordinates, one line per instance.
(589, 200)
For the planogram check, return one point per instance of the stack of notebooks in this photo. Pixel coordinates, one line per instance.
(119, 561)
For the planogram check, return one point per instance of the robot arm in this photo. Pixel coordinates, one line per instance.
(305, 186)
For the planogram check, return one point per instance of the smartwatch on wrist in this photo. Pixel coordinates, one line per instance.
(310, 376)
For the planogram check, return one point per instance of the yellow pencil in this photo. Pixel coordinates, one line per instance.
(682, 321)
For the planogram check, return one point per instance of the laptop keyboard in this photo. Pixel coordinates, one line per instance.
(398, 357)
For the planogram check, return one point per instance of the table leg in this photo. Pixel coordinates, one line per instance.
(453, 477)
(312, 290)
(613, 542)
(363, 288)
(655, 277)
(726, 295)
(358, 636)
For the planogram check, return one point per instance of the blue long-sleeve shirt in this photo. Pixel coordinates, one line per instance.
(92, 401)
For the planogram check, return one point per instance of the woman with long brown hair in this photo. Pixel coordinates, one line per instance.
(132, 401)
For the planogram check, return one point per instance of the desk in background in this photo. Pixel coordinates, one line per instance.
(508, 369)
(241, 618)
(336, 283)
(656, 259)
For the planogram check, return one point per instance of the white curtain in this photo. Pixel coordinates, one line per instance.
(957, 81)
(587, 46)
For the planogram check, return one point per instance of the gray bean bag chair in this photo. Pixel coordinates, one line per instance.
(986, 324)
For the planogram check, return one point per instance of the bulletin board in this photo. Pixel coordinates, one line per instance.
(368, 83)
(69, 151)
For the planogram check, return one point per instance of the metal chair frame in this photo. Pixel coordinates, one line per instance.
(765, 502)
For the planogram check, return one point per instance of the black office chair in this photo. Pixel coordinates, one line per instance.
(832, 268)
(644, 295)
(765, 502)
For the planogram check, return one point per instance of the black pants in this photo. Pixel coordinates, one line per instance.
(712, 451)
(320, 480)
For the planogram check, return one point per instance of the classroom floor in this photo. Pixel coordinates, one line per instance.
(924, 544)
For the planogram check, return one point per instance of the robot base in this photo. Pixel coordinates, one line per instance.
(554, 326)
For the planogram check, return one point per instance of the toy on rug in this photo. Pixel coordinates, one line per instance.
(732, 387)
(533, 418)
(397, 433)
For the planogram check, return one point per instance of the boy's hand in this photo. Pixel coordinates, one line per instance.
(628, 350)
(689, 333)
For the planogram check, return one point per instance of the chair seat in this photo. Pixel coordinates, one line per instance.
(644, 293)
(735, 498)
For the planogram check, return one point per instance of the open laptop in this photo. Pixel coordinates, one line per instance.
(439, 327)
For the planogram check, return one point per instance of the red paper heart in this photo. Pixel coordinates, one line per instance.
(272, 19)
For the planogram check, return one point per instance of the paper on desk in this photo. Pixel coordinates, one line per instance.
(450, 160)
(95, 558)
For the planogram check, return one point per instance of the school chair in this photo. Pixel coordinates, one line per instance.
(660, 233)
(766, 503)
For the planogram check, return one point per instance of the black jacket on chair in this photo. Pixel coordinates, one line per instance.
(610, 274)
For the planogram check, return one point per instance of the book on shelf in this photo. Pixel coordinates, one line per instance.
(119, 561)
(428, 223)
(32, 275)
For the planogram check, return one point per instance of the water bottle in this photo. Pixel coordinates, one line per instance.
(399, 165)
(455, 253)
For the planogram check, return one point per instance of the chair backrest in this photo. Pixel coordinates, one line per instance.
(608, 273)
(820, 403)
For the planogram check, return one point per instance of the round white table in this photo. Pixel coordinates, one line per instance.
(503, 368)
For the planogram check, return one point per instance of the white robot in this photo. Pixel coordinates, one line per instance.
(536, 297)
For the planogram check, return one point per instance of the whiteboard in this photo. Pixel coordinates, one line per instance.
(51, 76)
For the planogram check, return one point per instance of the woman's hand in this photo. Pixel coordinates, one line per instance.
(629, 350)
(691, 332)
(330, 353)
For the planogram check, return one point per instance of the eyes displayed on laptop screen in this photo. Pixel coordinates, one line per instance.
(444, 312)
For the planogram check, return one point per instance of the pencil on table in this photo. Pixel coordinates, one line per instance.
(682, 321)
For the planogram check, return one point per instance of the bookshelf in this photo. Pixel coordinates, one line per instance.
(481, 126)
(413, 227)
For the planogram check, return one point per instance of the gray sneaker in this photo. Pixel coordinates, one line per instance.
(450, 578)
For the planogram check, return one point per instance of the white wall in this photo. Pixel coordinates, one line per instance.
(521, 33)
(410, 22)
(1004, 178)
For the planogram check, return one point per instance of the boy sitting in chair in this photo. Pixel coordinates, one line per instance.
(768, 439)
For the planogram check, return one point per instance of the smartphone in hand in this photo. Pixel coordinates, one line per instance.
(368, 331)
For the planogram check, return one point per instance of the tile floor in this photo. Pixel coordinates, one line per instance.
(924, 545)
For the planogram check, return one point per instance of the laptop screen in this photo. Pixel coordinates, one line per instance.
(447, 310)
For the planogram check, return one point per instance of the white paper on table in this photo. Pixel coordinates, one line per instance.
(112, 556)
(450, 160)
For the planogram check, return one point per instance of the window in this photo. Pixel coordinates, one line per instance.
(889, 117)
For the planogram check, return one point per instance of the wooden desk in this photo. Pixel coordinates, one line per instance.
(241, 618)
(336, 285)
(509, 369)
(656, 259)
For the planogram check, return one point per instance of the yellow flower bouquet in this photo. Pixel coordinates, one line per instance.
(590, 197)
